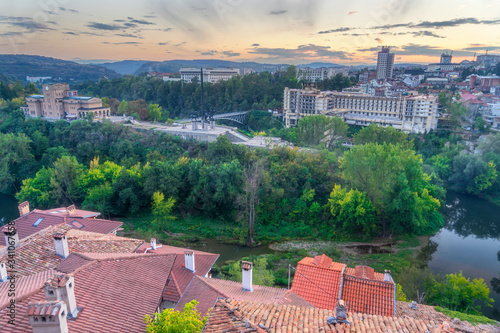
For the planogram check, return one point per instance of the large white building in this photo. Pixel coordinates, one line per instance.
(212, 75)
(385, 63)
(309, 74)
(414, 114)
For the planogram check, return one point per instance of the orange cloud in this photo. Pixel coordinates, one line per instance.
(350, 13)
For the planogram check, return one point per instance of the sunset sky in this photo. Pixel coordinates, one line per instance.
(271, 31)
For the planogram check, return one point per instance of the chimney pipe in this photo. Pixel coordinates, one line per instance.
(61, 245)
(61, 287)
(387, 276)
(153, 243)
(70, 210)
(246, 275)
(11, 238)
(3, 272)
(24, 208)
(189, 260)
(48, 317)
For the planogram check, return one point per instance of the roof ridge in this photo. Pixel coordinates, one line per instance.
(201, 278)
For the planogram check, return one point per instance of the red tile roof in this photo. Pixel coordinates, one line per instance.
(25, 286)
(207, 290)
(115, 295)
(44, 308)
(242, 316)
(368, 296)
(63, 211)
(37, 252)
(180, 276)
(25, 228)
(318, 281)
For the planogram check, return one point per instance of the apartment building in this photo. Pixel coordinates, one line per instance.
(385, 63)
(407, 113)
(59, 102)
(212, 75)
(309, 74)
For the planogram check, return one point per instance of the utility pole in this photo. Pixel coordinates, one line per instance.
(289, 268)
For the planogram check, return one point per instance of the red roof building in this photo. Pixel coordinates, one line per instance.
(33, 221)
(322, 282)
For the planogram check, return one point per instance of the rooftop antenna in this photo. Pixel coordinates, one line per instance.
(474, 59)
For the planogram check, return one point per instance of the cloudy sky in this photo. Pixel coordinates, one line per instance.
(271, 31)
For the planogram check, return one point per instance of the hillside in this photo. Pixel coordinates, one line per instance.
(20, 66)
(125, 67)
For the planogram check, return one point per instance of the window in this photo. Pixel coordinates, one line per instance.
(37, 222)
(77, 224)
(51, 292)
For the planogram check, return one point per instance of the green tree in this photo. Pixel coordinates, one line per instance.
(480, 124)
(15, 159)
(162, 211)
(395, 183)
(353, 212)
(316, 129)
(123, 108)
(65, 180)
(99, 198)
(378, 134)
(459, 293)
(189, 320)
(154, 111)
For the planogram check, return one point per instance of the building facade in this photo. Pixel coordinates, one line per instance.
(309, 74)
(59, 102)
(411, 114)
(212, 75)
(385, 63)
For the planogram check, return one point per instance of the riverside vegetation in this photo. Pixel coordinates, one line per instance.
(389, 185)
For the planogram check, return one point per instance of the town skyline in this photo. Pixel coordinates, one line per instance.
(273, 32)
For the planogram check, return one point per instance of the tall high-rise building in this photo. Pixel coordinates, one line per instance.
(385, 63)
(446, 58)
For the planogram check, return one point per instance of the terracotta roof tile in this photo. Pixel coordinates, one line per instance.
(368, 296)
(207, 290)
(25, 224)
(25, 286)
(319, 285)
(37, 252)
(231, 315)
(115, 295)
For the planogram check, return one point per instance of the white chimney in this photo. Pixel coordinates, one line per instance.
(61, 245)
(153, 243)
(61, 287)
(3, 272)
(387, 276)
(24, 208)
(246, 275)
(11, 239)
(48, 317)
(189, 260)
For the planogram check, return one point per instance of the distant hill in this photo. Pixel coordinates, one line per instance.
(173, 66)
(125, 67)
(19, 66)
(320, 64)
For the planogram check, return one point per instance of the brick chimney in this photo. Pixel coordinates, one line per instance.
(189, 260)
(70, 210)
(153, 244)
(246, 275)
(48, 317)
(11, 238)
(24, 208)
(3, 272)
(61, 245)
(61, 287)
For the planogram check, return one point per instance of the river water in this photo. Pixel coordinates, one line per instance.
(469, 241)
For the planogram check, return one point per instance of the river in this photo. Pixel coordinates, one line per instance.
(469, 241)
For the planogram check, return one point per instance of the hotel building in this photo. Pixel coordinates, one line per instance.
(411, 114)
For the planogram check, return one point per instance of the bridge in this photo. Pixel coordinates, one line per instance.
(238, 117)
